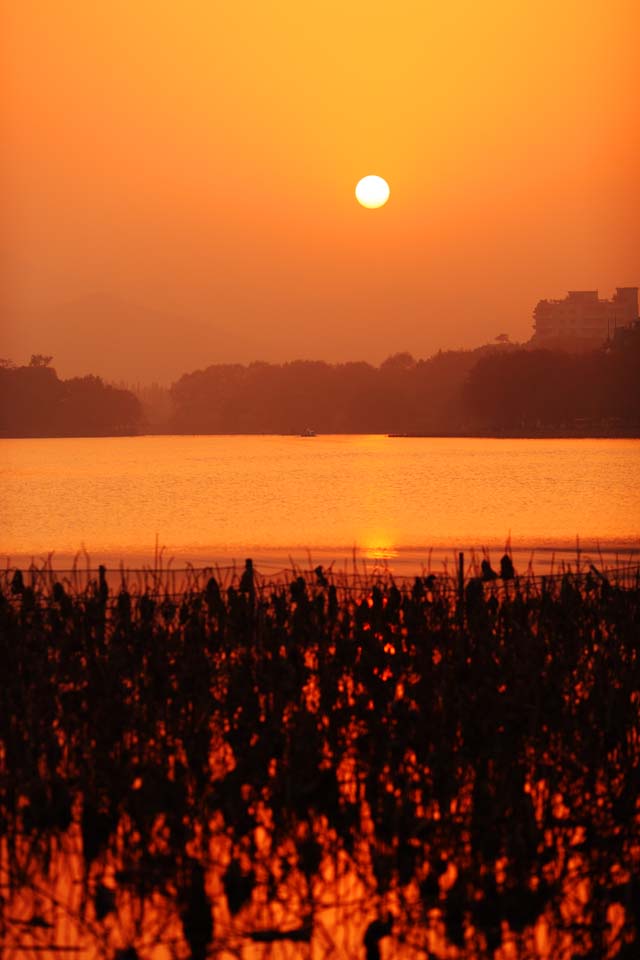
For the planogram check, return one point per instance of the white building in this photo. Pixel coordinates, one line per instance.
(582, 320)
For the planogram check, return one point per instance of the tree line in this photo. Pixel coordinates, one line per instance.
(553, 390)
(500, 388)
(401, 394)
(35, 402)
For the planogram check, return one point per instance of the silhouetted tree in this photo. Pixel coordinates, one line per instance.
(500, 387)
(34, 402)
(538, 389)
(40, 360)
(401, 396)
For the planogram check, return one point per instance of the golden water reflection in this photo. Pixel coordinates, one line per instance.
(378, 547)
(214, 498)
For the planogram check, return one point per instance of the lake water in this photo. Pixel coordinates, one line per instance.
(212, 498)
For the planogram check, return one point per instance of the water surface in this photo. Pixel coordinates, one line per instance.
(212, 498)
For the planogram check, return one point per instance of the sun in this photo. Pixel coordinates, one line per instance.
(372, 192)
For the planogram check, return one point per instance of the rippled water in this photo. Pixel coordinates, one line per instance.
(214, 498)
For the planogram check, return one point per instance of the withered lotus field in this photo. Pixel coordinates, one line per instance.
(314, 762)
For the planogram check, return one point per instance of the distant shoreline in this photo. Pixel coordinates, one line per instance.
(408, 561)
(630, 434)
(564, 434)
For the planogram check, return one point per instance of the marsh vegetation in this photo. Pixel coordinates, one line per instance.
(210, 763)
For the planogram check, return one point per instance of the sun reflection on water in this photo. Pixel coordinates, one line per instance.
(379, 547)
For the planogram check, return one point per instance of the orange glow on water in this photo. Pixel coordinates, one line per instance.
(209, 498)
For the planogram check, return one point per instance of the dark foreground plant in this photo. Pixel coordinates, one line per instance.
(321, 763)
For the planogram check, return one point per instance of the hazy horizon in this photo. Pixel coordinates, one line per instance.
(78, 347)
(179, 182)
(103, 335)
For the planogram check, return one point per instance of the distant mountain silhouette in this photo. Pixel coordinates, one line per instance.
(118, 339)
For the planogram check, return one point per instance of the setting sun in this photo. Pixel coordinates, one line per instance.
(372, 192)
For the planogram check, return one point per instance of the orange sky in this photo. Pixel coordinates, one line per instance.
(178, 176)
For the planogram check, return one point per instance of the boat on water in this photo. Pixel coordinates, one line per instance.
(308, 433)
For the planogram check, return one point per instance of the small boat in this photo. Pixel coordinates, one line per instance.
(308, 433)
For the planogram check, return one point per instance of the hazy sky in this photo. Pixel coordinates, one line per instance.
(178, 175)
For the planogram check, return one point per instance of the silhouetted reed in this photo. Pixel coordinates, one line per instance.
(218, 759)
